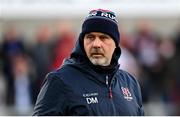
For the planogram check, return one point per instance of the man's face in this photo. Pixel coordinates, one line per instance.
(99, 48)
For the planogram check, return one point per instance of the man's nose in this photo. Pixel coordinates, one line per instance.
(97, 43)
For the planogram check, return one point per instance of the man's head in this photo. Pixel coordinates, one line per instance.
(100, 36)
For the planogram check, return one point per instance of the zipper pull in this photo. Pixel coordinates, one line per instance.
(110, 93)
(107, 81)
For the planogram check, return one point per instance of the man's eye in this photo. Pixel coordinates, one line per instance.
(104, 37)
(89, 37)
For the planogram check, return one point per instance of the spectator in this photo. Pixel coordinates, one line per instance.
(11, 46)
(41, 56)
(63, 44)
(127, 60)
(22, 85)
(147, 55)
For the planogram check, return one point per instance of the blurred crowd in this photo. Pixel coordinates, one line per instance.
(153, 58)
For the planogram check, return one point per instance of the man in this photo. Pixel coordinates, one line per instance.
(90, 82)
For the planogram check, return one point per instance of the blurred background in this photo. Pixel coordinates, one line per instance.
(36, 35)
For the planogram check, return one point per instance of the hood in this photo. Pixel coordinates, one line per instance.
(79, 56)
(79, 60)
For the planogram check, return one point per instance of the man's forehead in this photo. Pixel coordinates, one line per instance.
(97, 33)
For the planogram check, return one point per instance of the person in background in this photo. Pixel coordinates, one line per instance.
(41, 54)
(22, 85)
(12, 45)
(148, 57)
(63, 45)
(90, 81)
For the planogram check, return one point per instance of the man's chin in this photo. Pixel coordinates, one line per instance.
(97, 61)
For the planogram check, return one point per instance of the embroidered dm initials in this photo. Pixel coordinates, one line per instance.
(91, 98)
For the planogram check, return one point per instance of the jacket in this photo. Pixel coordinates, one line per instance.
(81, 88)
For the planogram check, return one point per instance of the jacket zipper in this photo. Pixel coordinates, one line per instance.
(110, 89)
(110, 94)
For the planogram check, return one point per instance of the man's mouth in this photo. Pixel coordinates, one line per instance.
(97, 55)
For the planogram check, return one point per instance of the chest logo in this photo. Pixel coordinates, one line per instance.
(126, 93)
(91, 98)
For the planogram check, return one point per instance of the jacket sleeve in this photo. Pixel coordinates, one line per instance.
(137, 90)
(141, 109)
(51, 99)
